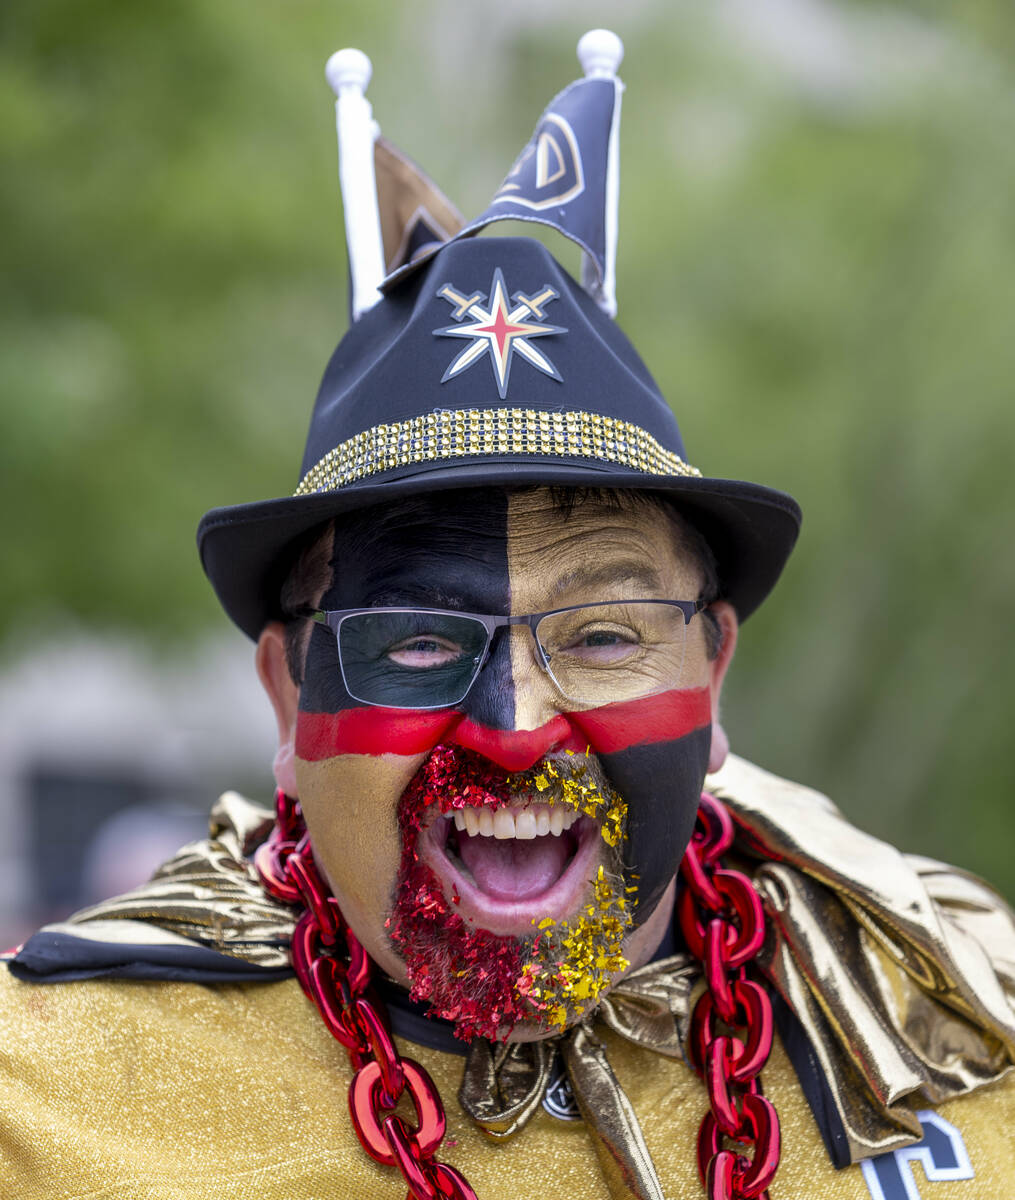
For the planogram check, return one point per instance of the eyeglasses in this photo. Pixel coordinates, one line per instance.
(425, 658)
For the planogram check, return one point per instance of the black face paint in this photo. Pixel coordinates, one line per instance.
(662, 783)
(432, 552)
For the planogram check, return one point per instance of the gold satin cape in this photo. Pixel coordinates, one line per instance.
(901, 971)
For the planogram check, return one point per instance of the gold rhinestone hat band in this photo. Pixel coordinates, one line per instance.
(474, 432)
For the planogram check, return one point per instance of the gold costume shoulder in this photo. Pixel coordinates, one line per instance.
(900, 969)
(162, 1091)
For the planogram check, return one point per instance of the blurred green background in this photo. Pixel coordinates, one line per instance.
(817, 260)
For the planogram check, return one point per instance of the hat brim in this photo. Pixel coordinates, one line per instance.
(750, 529)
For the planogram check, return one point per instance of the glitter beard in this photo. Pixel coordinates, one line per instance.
(487, 983)
(577, 960)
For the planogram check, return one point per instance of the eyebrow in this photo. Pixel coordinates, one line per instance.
(633, 572)
(418, 596)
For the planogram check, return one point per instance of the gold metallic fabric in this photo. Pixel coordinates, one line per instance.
(402, 191)
(208, 892)
(624, 1157)
(901, 970)
(481, 432)
(115, 1090)
(503, 1086)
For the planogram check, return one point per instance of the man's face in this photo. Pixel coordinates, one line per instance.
(507, 855)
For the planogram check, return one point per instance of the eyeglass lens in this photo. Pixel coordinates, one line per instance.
(614, 652)
(595, 655)
(410, 659)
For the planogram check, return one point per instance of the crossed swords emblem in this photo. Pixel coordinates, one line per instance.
(499, 328)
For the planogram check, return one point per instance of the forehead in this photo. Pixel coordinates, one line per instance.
(526, 550)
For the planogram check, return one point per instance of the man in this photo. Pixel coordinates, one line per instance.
(494, 622)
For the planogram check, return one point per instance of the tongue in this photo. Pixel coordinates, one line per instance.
(512, 868)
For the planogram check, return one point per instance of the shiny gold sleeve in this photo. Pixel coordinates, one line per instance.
(899, 968)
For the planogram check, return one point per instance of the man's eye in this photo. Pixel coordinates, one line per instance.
(602, 645)
(601, 639)
(425, 652)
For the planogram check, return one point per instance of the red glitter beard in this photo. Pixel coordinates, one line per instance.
(469, 976)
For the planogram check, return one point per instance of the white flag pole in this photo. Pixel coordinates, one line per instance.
(600, 53)
(348, 71)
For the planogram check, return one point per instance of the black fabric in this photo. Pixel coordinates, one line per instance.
(413, 1022)
(50, 956)
(812, 1081)
(389, 368)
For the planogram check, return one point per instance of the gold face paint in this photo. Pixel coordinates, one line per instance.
(598, 552)
(650, 730)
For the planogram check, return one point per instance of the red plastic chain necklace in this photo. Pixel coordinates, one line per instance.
(335, 972)
(723, 924)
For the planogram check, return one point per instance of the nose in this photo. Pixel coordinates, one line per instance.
(537, 697)
(513, 710)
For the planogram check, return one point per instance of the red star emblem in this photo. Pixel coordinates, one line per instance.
(499, 329)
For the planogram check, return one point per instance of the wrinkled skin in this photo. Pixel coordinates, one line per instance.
(513, 553)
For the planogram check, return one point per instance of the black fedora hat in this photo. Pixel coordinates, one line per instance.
(489, 367)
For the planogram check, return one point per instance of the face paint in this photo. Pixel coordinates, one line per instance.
(354, 763)
(655, 750)
(357, 766)
(432, 554)
(607, 729)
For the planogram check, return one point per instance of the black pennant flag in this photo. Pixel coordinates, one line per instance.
(565, 177)
(562, 176)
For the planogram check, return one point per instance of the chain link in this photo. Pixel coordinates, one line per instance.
(723, 924)
(731, 1027)
(335, 972)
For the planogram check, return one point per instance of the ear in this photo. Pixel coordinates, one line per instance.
(726, 615)
(273, 671)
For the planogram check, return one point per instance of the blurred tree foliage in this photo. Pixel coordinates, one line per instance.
(816, 260)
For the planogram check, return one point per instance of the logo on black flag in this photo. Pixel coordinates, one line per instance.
(566, 177)
(560, 177)
(548, 171)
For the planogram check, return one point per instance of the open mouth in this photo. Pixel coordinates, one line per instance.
(510, 867)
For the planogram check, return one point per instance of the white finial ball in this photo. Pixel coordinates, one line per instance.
(348, 68)
(600, 52)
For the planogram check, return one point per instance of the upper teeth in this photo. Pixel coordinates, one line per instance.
(533, 821)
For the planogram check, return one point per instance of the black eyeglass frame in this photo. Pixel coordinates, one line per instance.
(333, 618)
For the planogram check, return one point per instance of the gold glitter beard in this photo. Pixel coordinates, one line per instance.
(574, 961)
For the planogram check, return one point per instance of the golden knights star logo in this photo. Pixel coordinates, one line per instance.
(499, 329)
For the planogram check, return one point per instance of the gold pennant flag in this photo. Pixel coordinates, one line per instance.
(415, 214)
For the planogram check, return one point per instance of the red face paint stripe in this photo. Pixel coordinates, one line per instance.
(660, 718)
(519, 749)
(370, 731)
(612, 727)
